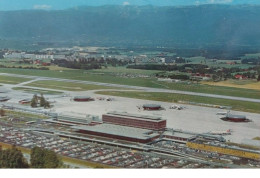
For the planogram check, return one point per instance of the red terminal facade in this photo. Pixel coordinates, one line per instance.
(134, 120)
(235, 118)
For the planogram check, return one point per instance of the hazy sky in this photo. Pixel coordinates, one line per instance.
(63, 4)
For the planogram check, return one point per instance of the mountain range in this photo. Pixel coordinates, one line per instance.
(193, 26)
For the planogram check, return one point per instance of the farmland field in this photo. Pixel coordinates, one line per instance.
(246, 84)
(218, 63)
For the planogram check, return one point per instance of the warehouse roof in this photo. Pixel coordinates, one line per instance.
(125, 114)
(179, 134)
(4, 97)
(152, 105)
(82, 97)
(123, 131)
(236, 116)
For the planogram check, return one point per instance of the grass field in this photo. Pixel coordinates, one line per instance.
(24, 114)
(8, 146)
(170, 97)
(81, 75)
(85, 163)
(68, 86)
(144, 82)
(246, 84)
(220, 90)
(12, 80)
(36, 91)
(243, 146)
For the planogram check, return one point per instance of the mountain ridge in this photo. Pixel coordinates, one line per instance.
(235, 25)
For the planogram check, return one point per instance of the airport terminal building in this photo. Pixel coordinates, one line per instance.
(118, 132)
(134, 120)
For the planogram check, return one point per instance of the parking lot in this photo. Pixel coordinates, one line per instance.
(94, 152)
(214, 156)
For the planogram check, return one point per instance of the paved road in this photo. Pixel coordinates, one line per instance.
(147, 89)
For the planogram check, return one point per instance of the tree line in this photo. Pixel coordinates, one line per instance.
(26, 67)
(253, 61)
(40, 158)
(90, 63)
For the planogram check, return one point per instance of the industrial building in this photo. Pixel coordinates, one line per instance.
(75, 119)
(179, 135)
(3, 99)
(235, 118)
(83, 98)
(134, 120)
(152, 107)
(119, 132)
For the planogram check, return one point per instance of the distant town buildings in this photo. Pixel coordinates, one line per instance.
(23, 55)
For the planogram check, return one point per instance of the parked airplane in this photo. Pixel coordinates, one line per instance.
(222, 113)
(176, 107)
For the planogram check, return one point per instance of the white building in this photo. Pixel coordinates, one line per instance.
(14, 55)
(43, 56)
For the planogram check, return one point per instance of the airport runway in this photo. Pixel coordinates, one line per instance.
(147, 89)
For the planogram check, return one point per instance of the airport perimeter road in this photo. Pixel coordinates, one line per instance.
(37, 78)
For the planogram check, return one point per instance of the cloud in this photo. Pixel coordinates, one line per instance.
(126, 3)
(42, 7)
(220, 1)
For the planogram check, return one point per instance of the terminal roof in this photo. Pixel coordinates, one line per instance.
(125, 114)
(123, 131)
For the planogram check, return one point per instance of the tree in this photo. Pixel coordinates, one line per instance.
(43, 158)
(37, 157)
(215, 77)
(34, 101)
(42, 101)
(51, 160)
(12, 158)
(2, 112)
(47, 104)
(258, 78)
